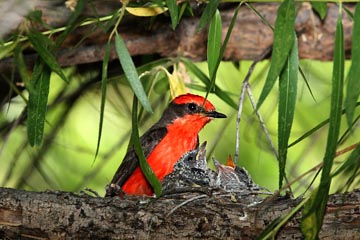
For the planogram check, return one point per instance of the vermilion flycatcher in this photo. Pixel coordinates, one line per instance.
(175, 134)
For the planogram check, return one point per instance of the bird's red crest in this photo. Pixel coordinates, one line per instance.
(192, 98)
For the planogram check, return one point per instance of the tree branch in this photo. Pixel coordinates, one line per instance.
(250, 36)
(217, 215)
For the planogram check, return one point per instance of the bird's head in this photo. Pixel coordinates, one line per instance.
(192, 111)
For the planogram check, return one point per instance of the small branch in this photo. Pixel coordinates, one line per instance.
(244, 88)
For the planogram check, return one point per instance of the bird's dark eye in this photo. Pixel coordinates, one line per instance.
(192, 107)
(189, 159)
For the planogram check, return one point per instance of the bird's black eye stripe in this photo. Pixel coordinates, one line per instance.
(192, 107)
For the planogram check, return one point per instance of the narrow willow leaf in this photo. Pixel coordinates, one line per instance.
(203, 78)
(314, 129)
(269, 228)
(353, 87)
(71, 23)
(348, 133)
(106, 26)
(148, 67)
(103, 93)
(37, 104)
(283, 42)
(276, 225)
(184, 6)
(208, 13)
(130, 72)
(36, 16)
(348, 12)
(309, 133)
(307, 83)
(222, 49)
(20, 62)
(15, 89)
(261, 16)
(287, 100)
(352, 164)
(174, 12)
(351, 167)
(145, 168)
(309, 223)
(41, 44)
(214, 43)
(336, 99)
(314, 214)
(320, 8)
(7, 50)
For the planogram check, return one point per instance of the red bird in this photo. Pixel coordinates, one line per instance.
(165, 142)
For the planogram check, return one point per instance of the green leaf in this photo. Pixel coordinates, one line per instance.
(348, 12)
(20, 62)
(174, 12)
(310, 223)
(314, 129)
(145, 168)
(130, 72)
(306, 82)
(103, 93)
(314, 214)
(37, 104)
(353, 86)
(203, 78)
(208, 13)
(71, 23)
(352, 164)
(7, 50)
(106, 26)
(260, 15)
(42, 45)
(308, 133)
(336, 98)
(287, 100)
(278, 223)
(148, 67)
(320, 8)
(351, 167)
(214, 43)
(222, 49)
(283, 42)
(348, 132)
(185, 7)
(269, 228)
(36, 17)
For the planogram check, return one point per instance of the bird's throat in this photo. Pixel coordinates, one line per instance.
(162, 159)
(181, 137)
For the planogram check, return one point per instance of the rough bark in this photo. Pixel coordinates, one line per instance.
(62, 215)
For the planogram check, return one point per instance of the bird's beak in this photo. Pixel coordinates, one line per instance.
(215, 114)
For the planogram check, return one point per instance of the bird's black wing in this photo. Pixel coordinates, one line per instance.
(130, 162)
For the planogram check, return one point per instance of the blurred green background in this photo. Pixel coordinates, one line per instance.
(67, 162)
